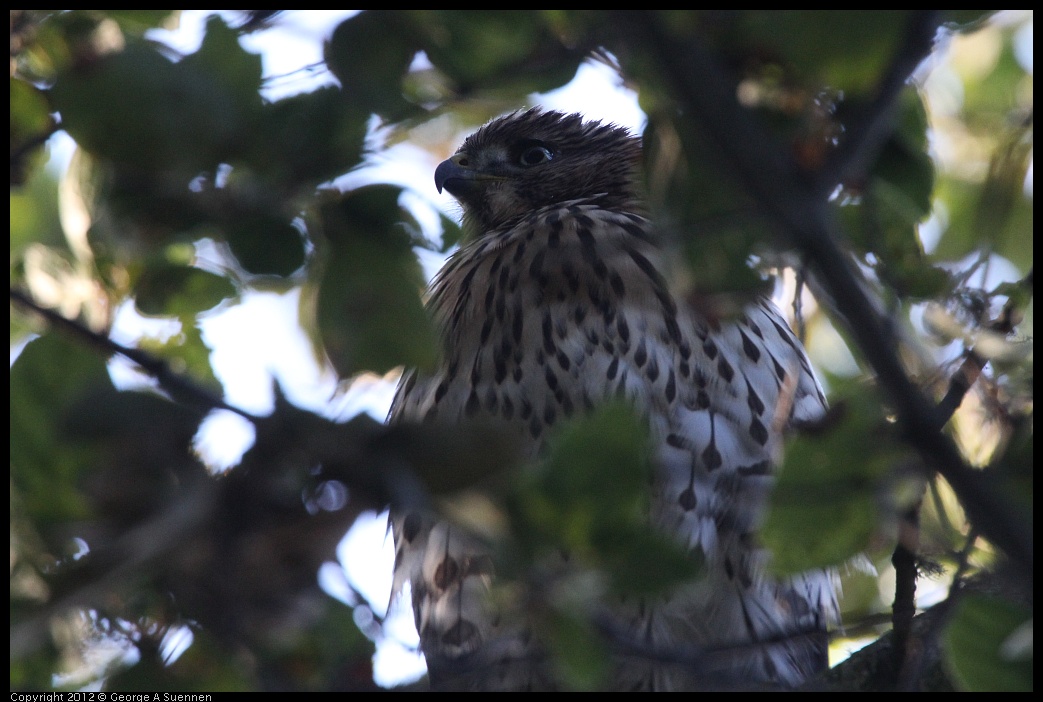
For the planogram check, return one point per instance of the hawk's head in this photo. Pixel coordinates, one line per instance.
(527, 160)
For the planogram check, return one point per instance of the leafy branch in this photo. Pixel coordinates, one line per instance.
(796, 199)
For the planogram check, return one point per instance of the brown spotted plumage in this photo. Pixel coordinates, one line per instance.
(555, 303)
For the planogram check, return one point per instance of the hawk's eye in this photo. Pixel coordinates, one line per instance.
(535, 155)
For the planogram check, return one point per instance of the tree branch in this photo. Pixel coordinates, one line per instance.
(795, 199)
(172, 382)
(866, 134)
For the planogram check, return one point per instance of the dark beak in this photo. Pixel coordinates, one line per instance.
(452, 175)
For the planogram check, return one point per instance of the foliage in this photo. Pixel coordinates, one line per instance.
(780, 137)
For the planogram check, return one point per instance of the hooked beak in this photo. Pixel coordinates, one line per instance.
(460, 178)
(450, 170)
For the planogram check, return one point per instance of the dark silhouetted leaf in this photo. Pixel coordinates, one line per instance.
(369, 310)
(177, 290)
(138, 108)
(264, 244)
(502, 51)
(820, 47)
(370, 54)
(307, 139)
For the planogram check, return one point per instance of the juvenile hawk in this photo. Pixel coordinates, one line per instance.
(555, 303)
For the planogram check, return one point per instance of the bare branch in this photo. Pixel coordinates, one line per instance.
(177, 385)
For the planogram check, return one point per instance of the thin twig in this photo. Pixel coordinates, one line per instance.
(172, 382)
(973, 362)
(904, 558)
(904, 561)
(913, 665)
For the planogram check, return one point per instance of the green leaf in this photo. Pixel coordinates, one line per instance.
(894, 198)
(30, 120)
(452, 233)
(369, 310)
(580, 656)
(997, 217)
(138, 108)
(263, 243)
(370, 54)
(307, 139)
(904, 161)
(34, 214)
(991, 97)
(34, 671)
(180, 291)
(223, 61)
(885, 225)
(831, 474)
(842, 49)
(106, 106)
(711, 218)
(590, 498)
(186, 354)
(994, 213)
(501, 52)
(603, 458)
(988, 645)
(641, 560)
(48, 379)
